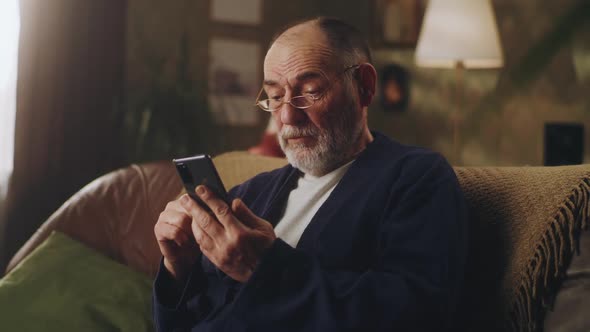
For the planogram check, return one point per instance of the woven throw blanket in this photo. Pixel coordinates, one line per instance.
(525, 224)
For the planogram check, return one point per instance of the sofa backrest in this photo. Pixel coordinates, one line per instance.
(524, 227)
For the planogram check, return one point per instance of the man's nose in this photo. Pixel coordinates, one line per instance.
(291, 115)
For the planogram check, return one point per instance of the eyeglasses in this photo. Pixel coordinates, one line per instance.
(300, 102)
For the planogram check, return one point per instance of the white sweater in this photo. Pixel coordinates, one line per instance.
(304, 201)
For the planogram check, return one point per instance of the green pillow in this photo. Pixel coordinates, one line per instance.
(66, 286)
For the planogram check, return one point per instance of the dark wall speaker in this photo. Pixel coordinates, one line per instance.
(564, 144)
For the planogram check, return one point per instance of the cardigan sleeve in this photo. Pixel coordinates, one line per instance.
(170, 302)
(413, 285)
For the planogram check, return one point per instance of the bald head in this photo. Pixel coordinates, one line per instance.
(344, 40)
(301, 31)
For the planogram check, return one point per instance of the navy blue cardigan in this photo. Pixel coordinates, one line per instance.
(385, 252)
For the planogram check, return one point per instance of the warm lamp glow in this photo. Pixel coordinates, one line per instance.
(459, 31)
(9, 30)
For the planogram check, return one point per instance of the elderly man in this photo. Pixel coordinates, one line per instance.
(357, 233)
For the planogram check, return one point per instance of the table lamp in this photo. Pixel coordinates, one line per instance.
(459, 34)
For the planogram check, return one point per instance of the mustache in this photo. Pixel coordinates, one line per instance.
(288, 132)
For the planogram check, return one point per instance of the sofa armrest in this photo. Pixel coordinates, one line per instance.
(115, 215)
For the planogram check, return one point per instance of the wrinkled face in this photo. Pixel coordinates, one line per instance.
(317, 139)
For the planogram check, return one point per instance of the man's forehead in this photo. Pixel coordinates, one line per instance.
(289, 55)
(294, 59)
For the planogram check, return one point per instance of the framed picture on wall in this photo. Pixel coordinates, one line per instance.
(394, 88)
(234, 81)
(237, 11)
(397, 22)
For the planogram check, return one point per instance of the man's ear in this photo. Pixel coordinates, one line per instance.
(367, 81)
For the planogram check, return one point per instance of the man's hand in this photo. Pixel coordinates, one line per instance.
(233, 239)
(175, 239)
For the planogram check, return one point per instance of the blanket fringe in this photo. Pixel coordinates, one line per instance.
(546, 271)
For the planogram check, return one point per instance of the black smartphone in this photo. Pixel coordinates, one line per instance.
(197, 170)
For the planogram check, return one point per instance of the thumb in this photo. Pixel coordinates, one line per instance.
(244, 214)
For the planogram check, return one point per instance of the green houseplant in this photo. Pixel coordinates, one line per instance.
(170, 119)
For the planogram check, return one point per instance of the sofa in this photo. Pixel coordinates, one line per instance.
(528, 264)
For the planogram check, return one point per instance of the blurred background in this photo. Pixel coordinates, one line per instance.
(87, 87)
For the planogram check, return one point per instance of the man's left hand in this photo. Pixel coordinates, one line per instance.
(233, 239)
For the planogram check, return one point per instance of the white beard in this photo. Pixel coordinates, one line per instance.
(332, 148)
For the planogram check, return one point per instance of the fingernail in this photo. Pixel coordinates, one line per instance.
(200, 190)
(184, 199)
(235, 203)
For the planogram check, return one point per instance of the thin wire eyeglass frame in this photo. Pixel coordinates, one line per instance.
(309, 99)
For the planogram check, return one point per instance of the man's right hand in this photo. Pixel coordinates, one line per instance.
(176, 240)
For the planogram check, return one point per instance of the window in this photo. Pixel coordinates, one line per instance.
(9, 30)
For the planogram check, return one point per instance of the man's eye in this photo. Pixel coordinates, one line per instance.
(312, 94)
(276, 98)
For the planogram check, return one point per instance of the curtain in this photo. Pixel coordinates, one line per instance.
(70, 81)
(9, 15)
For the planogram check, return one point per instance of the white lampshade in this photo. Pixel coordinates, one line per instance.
(459, 31)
